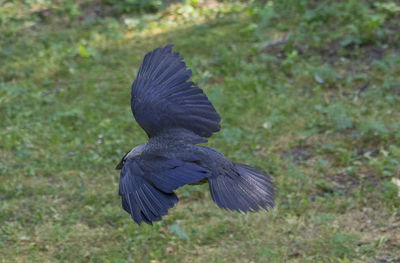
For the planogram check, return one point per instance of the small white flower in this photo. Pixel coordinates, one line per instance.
(319, 79)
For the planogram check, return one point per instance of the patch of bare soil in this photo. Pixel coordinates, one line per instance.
(346, 183)
(362, 55)
(299, 154)
(374, 228)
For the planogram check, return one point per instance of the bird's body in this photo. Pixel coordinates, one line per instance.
(176, 116)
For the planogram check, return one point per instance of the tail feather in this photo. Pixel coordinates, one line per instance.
(244, 189)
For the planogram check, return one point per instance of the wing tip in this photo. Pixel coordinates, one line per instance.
(166, 49)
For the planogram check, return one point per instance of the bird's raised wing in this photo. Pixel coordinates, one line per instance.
(147, 184)
(163, 98)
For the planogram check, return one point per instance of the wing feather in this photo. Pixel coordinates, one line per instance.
(163, 98)
(147, 183)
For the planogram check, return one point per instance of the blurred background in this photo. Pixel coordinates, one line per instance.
(308, 91)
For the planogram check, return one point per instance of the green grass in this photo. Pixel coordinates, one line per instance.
(319, 113)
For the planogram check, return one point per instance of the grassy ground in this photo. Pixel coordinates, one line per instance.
(320, 112)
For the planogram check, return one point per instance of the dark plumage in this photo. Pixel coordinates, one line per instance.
(176, 115)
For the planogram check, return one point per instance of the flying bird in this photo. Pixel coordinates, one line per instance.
(177, 116)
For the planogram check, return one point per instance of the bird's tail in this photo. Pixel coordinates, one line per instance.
(242, 189)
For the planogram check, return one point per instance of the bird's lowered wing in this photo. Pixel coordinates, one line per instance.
(147, 184)
(163, 98)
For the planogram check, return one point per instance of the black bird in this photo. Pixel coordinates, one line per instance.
(176, 115)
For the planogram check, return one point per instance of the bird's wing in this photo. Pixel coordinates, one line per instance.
(147, 184)
(163, 98)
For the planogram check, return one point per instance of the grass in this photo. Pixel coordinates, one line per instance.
(319, 112)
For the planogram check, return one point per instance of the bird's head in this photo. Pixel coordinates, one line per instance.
(132, 153)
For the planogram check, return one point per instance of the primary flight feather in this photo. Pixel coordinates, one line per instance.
(176, 115)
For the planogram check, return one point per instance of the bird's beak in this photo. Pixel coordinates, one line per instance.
(120, 165)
